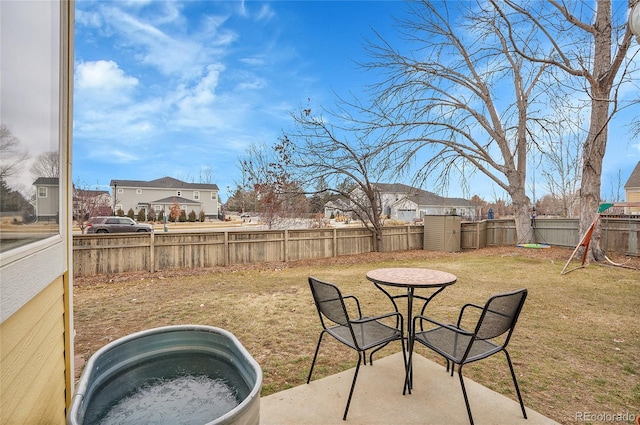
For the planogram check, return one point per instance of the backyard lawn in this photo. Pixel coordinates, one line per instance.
(576, 347)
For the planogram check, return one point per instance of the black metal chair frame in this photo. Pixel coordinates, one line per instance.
(470, 346)
(354, 333)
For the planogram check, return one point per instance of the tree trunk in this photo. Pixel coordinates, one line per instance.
(596, 143)
(522, 210)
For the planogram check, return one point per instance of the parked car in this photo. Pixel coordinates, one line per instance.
(116, 225)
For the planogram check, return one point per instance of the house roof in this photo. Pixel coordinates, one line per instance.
(634, 178)
(422, 197)
(339, 204)
(91, 193)
(178, 199)
(47, 181)
(163, 183)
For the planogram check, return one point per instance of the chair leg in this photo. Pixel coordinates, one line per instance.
(515, 383)
(464, 393)
(353, 385)
(315, 356)
(373, 352)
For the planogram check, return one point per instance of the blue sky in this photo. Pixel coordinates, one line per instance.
(178, 89)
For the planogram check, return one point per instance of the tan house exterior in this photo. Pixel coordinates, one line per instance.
(160, 194)
(36, 314)
(632, 190)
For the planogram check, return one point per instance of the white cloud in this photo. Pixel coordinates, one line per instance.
(103, 76)
(182, 54)
(89, 19)
(265, 13)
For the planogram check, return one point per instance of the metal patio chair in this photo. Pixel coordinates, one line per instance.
(490, 335)
(360, 334)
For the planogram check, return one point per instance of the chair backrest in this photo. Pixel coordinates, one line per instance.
(500, 315)
(329, 301)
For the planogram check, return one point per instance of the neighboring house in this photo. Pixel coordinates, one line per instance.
(405, 203)
(47, 198)
(336, 207)
(160, 194)
(87, 203)
(632, 190)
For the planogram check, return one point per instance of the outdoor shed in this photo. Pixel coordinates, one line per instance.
(442, 233)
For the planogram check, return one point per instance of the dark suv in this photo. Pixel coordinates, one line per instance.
(116, 225)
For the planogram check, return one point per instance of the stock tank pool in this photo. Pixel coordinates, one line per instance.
(186, 374)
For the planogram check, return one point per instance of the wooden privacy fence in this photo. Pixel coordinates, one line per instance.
(118, 253)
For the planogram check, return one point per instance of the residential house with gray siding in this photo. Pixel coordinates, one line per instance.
(160, 194)
(47, 202)
(406, 203)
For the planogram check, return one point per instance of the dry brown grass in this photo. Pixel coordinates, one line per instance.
(575, 349)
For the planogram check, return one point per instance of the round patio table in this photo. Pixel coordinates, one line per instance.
(410, 278)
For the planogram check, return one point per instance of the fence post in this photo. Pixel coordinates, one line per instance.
(285, 249)
(226, 248)
(335, 242)
(408, 236)
(152, 251)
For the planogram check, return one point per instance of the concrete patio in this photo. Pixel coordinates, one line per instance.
(436, 399)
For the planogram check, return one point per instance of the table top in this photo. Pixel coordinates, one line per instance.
(413, 277)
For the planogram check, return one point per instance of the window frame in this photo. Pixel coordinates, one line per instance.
(46, 259)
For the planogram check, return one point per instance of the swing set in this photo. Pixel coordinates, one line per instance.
(586, 238)
(535, 234)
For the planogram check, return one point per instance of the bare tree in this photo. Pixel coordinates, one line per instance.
(206, 175)
(89, 203)
(279, 197)
(590, 41)
(46, 164)
(337, 159)
(561, 157)
(11, 156)
(463, 98)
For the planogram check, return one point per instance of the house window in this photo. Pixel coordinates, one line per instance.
(138, 191)
(35, 125)
(196, 195)
(213, 196)
(157, 208)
